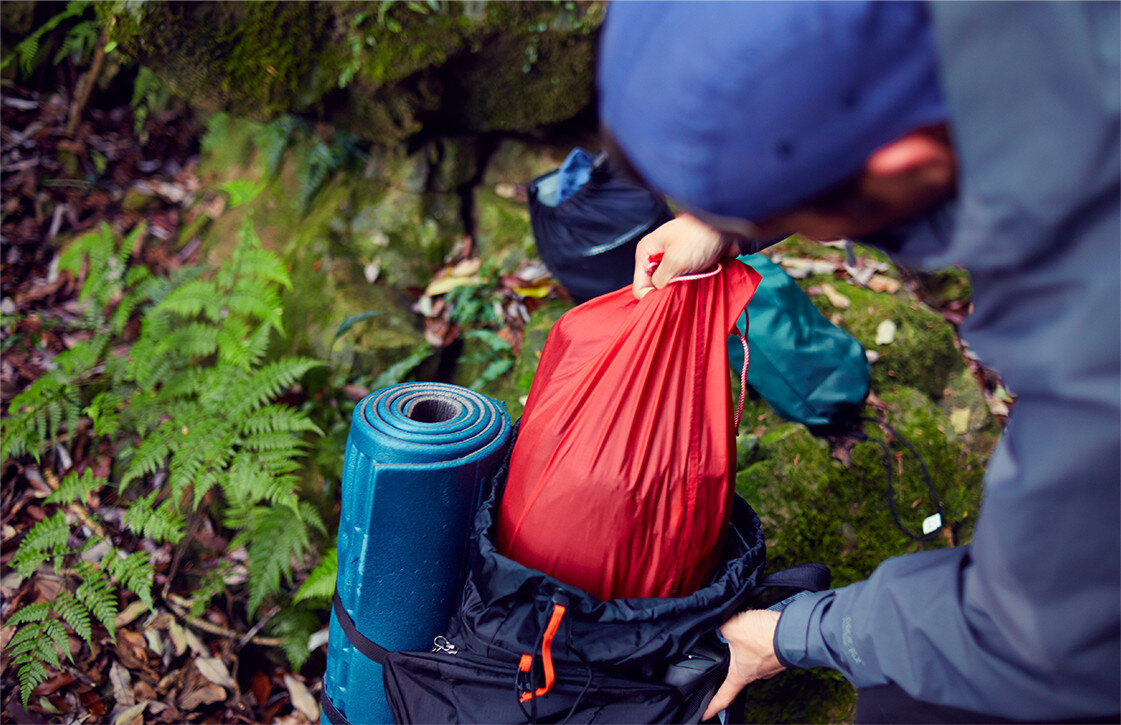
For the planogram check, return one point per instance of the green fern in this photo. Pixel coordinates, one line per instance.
(158, 523)
(46, 540)
(134, 572)
(320, 582)
(96, 593)
(192, 400)
(36, 644)
(271, 550)
(76, 487)
(71, 610)
(31, 51)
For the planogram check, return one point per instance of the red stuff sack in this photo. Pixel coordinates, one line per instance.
(622, 475)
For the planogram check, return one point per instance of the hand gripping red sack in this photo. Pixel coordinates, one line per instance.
(622, 475)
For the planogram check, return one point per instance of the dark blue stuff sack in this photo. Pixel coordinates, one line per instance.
(587, 219)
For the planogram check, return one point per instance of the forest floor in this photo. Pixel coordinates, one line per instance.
(165, 665)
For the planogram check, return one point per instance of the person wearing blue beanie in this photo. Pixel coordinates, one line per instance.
(984, 135)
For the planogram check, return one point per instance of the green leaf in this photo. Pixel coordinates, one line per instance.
(351, 322)
(242, 191)
(74, 613)
(320, 583)
(31, 673)
(396, 372)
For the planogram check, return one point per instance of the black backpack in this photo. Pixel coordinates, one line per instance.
(524, 647)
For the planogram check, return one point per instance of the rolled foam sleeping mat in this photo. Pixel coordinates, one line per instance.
(415, 461)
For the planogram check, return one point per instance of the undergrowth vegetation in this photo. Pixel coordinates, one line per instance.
(173, 375)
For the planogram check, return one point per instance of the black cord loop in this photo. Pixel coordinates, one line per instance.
(890, 488)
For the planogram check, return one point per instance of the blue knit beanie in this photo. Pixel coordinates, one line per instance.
(748, 109)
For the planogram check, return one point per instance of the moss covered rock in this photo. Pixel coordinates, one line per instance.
(921, 352)
(383, 71)
(364, 239)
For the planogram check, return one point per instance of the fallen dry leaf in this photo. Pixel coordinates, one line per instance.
(178, 637)
(885, 333)
(132, 649)
(443, 285)
(883, 283)
(132, 716)
(538, 289)
(835, 298)
(214, 669)
(122, 684)
(195, 643)
(302, 699)
(155, 643)
(129, 614)
(800, 268)
(53, 684)
(204, 695)
(959, 419)
(261, 687)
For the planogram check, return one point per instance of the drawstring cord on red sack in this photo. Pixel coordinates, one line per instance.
(653, 261)
(743, 373)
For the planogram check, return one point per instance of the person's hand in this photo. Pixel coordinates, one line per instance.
(687, 245)
(750, 638)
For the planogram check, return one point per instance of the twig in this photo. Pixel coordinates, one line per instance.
(85, 86)
(196, 522)
(179, 606)
(257, 627)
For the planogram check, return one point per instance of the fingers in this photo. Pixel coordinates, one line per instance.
(724, 696)
(651, 246)
(682, 246)
(750, 636)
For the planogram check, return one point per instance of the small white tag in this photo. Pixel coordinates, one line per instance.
(931, 523)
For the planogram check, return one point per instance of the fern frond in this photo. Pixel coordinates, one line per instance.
(196, 339)
(320, 582)
(199, 296)
(273, 543)
(268, 382)
(55, 631)
(279, 419)
(45, 540)
(151, 454)
(294, 625)
(232, 343)
(281, 441)
(134, 572)
(276, 462)
(104, 411)
(31, 673)
(99, 597)
(75, 487)
(74, 613)
(257, 301)
(31, 613)
(260, 263)
(202, 485)
(311, 517)
(247, 484)
(162, 523)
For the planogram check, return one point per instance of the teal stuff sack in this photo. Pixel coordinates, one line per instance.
(807, 369)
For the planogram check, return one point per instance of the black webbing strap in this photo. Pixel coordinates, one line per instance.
(809, 577)
(333, 715)
(368, 647)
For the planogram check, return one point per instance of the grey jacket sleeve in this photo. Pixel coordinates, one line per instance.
(1025, 622)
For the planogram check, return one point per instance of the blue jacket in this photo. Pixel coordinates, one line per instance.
(1025, 622)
